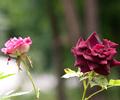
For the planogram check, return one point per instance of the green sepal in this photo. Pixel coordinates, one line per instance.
(28, 59)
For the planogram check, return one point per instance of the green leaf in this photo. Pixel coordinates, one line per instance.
(2, 75)
(70, 73)
(114, 82)
(14, 95)
(99, 80)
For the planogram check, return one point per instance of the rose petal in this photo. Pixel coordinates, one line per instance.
(85, 68)
(92, 66)
(79, 41)
(102, 69)
(79, 61)
(115, 63)
(95, 55)
(93, 39)
(109, 43)
(17, 46)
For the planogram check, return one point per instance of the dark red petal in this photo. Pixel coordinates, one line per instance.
(109, 43)
(91, 65)
(102, 69)
(85, 68)
(112, 53)
(81, 44)
(79, 41)
(88, 57)
(79, 61)
(82, 63)
(73, 50)
(115, 63)
(95, 59)
(93, 39)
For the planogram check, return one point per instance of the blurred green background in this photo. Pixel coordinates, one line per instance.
(55, 26)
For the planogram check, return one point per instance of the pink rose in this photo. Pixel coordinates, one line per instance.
(17, 46)
(95, 55)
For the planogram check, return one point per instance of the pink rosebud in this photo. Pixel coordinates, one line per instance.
(16, 46)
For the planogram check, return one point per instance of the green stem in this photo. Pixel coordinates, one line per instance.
(89, 97)
(85, 85)
(94, 94)
(31, 79)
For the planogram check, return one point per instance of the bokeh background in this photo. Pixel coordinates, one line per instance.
(55, 26)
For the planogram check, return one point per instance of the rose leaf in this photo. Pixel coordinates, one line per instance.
(114, 82)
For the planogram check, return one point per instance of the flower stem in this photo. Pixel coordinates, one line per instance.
(85, 85)
(89, 97)
(94, 94)
(31, 79)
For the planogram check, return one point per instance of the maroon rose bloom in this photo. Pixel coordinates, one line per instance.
(95, 55)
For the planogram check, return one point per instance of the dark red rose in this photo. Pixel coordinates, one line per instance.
(95, 55)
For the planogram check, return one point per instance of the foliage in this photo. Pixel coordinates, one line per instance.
(114, 82)
(3, 75)
(91, 79)
(8, 95)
